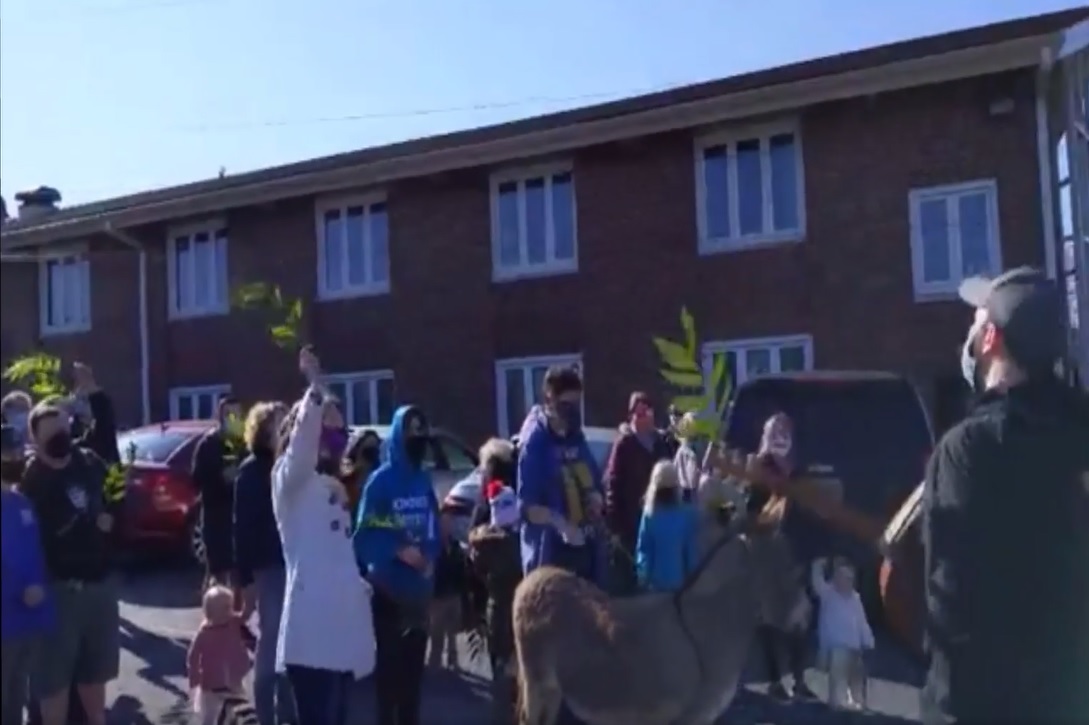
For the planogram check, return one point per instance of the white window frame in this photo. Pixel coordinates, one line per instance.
(193, 392)
(947, 289)
(342, 204)
(82, 323)
(371, 378)
(551, 265)
(211, 227)
(526, 365)
(730, 138)
(740, 347)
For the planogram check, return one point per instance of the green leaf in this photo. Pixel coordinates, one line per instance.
(718, 374)
(675, 356)
(688, 324)
(693, 381)
(692, 403)
(39, 373)
(296, 310)
(703, 428)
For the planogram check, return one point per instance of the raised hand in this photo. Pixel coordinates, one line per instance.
(84, 378)
(309, 365)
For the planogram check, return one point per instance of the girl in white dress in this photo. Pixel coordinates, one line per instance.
(326, 637)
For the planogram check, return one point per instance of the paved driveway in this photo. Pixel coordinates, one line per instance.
(159, 614)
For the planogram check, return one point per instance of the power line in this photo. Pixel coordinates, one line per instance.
(419, 112)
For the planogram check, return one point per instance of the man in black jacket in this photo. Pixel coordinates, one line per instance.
(214, 470)
(1006, 527)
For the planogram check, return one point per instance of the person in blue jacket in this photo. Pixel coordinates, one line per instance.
(559, 484)
(397, 542)
(27, 609)
(667, 547)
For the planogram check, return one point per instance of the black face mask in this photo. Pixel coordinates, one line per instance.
(59, 445)
(327, 467)
(416, 449)
(12, 471)
(369, 456)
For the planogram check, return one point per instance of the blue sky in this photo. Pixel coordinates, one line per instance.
(106, 97)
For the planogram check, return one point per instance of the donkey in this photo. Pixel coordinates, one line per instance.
(651, 659)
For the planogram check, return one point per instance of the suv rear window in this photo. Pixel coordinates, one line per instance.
(873, 432)
(154, 446)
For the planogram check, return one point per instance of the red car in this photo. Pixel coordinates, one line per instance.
(162, 504)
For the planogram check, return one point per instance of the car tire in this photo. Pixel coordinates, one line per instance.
(194, 538)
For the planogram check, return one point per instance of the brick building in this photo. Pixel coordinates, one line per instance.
(817, 214)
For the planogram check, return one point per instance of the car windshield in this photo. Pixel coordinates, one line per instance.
(154, 445)
(873, 433)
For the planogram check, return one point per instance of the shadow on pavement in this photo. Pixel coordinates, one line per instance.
(450, 698)
(127, 710)
(163, 657)
(161, 587)
(753, 708)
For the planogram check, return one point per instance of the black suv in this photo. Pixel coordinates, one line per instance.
(869, 429)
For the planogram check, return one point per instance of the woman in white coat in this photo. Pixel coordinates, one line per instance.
(326, 637)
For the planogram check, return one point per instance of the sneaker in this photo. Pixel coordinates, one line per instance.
(778, 691)
(802, 691)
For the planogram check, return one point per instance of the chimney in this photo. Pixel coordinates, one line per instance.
(38, 202)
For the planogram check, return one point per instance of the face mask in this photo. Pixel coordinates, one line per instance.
(12, 471)
(369, 456)
(416, 449)
(17, 420)
(333, 442)
(780, 444)
(571, 414)
(58, 446)
(969, 364)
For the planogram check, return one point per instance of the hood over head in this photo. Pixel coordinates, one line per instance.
(393, 449)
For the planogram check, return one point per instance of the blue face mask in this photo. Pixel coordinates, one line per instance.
(570, 413)
(969, 365)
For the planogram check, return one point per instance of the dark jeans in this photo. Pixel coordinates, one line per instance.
(401, 644)
(795, 645)
(321, 696)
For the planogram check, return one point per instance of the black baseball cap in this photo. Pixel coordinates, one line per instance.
(1026, 307)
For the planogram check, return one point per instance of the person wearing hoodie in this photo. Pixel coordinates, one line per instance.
(1006, 521)
(214, 469)
(27, 608)
(259, 558)
(667, 549)
(326, 635)
(559, 485)
(397, 543)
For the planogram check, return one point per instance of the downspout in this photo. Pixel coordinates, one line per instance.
(1045, 156)
(145, 358)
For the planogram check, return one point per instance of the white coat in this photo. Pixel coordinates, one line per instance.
(327, 622)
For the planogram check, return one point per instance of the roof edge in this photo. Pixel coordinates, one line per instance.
(974, 61)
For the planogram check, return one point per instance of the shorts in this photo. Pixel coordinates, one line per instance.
(84, 648)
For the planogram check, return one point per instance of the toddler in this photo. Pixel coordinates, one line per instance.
(446, 607)
(218, 659)
(666, 550)
(844, 634)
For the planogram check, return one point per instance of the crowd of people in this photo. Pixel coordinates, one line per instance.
(353, 565)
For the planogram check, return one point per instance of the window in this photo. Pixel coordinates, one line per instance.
(748, 359)
(353, 247)
(518, 384)
(366, 398)
(196, 403)
(533, 223)
(64, 286)
(197, 271)
(954, 234)
(749, 189)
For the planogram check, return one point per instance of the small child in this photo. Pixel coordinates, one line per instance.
(446, 608)
(844, 634)
(666, 551)
(497, 562)
(218, 659)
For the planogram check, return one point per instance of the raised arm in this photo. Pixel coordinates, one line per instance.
(300, 456)
(820, 585)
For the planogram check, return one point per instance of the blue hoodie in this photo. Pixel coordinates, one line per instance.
(23, 566)
(559, 472)
(398, 508)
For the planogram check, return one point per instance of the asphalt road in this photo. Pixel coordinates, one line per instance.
(159, 614)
